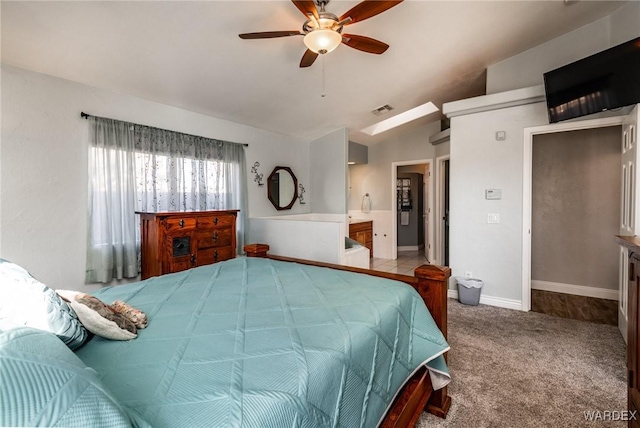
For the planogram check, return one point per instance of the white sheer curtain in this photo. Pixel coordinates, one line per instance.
(165, 171)
(181, 172)
(111, 248)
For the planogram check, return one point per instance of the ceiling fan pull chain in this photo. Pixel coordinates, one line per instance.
(323, 92)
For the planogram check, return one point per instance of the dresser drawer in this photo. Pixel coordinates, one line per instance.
(179, 223)
(219, 237)
(212, 255)
(216, 221)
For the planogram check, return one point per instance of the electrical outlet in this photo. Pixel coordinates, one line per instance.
(468, 274)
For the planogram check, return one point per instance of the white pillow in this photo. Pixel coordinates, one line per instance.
(25, 301)
(98, 318)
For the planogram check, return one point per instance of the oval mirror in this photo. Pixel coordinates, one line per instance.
(282, 188)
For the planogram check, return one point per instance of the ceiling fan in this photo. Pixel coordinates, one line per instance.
(322, 30)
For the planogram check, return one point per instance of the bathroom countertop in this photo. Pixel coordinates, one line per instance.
(358, 220)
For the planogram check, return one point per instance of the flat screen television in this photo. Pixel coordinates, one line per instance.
(604, 81)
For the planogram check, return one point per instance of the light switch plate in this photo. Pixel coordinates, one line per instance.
(493, 194)
(493, 218)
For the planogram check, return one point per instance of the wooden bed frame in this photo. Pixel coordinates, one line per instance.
(417, 394)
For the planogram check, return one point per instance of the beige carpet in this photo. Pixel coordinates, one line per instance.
(525, 369)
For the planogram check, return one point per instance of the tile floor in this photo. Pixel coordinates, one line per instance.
(406, 262)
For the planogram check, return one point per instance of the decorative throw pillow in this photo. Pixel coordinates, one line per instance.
(136, 316)
(98, 317)
(45, 384)
(25, 301)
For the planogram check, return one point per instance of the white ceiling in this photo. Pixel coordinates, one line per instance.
(189, 55)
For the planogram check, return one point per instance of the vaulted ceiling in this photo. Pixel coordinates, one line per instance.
(188, 54)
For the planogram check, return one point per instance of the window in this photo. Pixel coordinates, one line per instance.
(137, 168)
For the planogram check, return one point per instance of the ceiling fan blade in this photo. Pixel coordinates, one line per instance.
(364, 44)
(308, 58)
(306, 7)
(366, 9)
(269, 34)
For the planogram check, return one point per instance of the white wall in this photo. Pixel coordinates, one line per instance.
(526, 69)
(272, 152)
(328, 171)
(492, 252)
(44, 165)
(308, 237)
(375, 178)
(442, 149)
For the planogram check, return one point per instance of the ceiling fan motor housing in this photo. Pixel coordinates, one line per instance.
(325, 21)
(322, 30)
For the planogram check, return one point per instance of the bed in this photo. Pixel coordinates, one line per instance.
(263, 341)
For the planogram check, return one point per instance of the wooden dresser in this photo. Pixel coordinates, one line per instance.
(362, 231)
(633, 339)
(176, 241)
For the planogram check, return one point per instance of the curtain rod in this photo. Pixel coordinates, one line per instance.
(87, 116)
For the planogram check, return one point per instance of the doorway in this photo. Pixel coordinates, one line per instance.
(412, 222)
(441, 254)
(575, 212)
(417, 209)
(529, 134)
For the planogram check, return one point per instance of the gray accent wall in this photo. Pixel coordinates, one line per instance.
(413, 233)
(576, 207)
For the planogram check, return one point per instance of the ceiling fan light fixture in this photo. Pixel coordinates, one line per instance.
(322, 41)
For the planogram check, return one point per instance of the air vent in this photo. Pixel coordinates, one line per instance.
(382, 109)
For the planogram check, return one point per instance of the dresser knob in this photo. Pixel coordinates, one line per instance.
(215, 236)
(181, 222)
(193, 259)
(215, 220)
(215, 256)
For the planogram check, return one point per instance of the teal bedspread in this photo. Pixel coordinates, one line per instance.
(260, 343)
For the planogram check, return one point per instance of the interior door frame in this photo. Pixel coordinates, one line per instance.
(394, 208)
(529, 134)
(440, 182)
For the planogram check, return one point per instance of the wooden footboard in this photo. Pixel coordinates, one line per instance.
(431, 283)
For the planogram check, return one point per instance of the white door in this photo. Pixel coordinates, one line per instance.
(628, 209)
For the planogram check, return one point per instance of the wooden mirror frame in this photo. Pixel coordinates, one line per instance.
(295, 188)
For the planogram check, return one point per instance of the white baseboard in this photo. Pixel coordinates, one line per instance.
(410, 247)
(492, 301)
(622, 324)
(577, 290)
